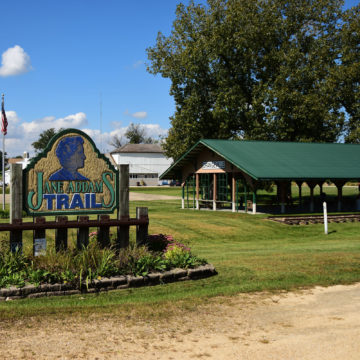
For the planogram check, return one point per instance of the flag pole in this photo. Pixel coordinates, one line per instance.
(3, 171)
(3, 162)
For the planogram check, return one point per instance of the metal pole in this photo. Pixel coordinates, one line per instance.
(3, 171)
(325, 218)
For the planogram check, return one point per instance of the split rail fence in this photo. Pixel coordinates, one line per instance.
(103, 223)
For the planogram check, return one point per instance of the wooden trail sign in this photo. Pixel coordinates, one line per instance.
(70, 176)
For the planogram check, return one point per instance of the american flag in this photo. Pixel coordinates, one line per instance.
(4, 122)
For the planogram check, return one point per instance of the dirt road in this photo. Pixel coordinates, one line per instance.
(148, 197)
(322, 323)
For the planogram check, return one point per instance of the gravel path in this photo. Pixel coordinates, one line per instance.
(321, 323)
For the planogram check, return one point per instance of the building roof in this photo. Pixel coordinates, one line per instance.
(139, 148)
(14, 160)
(269, 160)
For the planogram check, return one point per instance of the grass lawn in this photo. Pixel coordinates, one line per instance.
(250, 253)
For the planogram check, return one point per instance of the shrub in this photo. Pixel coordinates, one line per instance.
(75, 266)
(4, 214)
(158, 242)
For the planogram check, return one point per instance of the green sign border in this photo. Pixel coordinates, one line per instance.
(43, 154)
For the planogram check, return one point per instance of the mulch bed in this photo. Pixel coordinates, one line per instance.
(315, 219)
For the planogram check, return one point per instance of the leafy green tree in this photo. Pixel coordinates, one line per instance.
(44, 139)
(256, 69)
(136, 134)
(347, 78)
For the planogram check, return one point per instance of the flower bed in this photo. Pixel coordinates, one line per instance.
(162, 259)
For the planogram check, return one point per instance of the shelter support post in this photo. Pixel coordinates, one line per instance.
(193, 188)
(183, 195)
(254, 202)
(299, 184)
(233, 193)
(339, 185)
(311, 185)
(197, 191)
(245, 196)
(282, 188)
(214, 191)
(187, 193)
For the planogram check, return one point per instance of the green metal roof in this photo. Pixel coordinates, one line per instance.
(266, 160)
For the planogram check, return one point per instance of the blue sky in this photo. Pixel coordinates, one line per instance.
(61, 58)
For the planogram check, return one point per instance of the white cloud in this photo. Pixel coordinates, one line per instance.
(116, 124)
(139, 115)
(21, 134)
(71, 121)
(138, 64)
(154, 130)
(14, 61)
(103, 140)
(136, 115)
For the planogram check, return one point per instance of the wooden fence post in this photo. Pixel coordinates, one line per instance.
(61, 235)
(15, 205)
(104, 231)
(123, 214)
(82, 233)
(141, 230)
(39, 238)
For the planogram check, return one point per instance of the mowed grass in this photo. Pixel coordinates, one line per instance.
(249, 252)
(263, 197)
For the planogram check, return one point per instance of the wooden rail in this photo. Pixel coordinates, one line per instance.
(82, 224)
(41, 223)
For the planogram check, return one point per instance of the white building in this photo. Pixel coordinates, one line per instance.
(146, 162)
(24, 161)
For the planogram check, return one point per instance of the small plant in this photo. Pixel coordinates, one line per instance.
(149, 263)
(4, 214)
(158, 242)
(92, 262)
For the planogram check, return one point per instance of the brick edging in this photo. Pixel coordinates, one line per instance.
(106, 284)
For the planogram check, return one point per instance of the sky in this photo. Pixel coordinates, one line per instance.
(82, 64)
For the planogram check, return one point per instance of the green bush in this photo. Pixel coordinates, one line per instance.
(4, 214)
(91, 262)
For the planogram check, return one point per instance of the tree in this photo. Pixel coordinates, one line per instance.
(347, 78)
(136, 134)
(116, 142)
(44, 139)
(254, 69)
